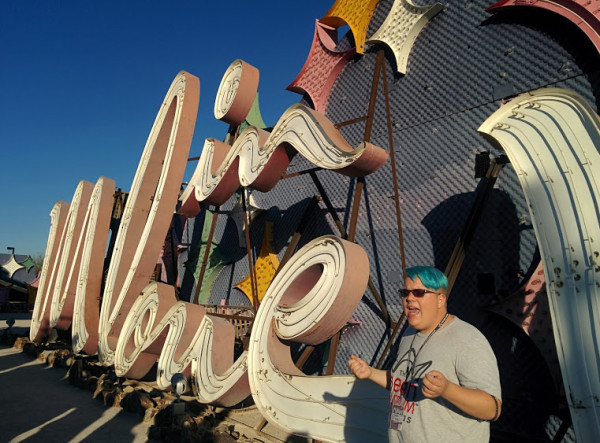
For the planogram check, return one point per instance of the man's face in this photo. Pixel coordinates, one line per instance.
(423, 313)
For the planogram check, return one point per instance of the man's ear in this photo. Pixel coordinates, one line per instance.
(442, 299)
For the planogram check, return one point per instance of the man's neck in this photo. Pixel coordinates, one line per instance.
(441, 321)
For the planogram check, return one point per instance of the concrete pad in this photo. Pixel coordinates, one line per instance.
(21, 325)
(37, 404)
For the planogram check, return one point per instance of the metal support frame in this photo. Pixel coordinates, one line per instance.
(328, 204)
(296, 174)
(312, 205)
(358, 190)
(342, 230)
(120, 198)
(464, 240)
(211, 233)
(351, 232)
(350, 122)
(486, 185)
(252, 271)
(394, 174)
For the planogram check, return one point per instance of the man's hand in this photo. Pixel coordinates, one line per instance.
(359, 367)
(474, 402)
(363, 371)
(434, 384)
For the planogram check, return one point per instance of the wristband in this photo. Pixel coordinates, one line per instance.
(496, 414)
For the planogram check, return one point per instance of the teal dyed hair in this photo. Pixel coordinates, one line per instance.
(431, 278)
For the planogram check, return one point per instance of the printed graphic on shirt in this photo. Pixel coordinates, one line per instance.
(405, 388)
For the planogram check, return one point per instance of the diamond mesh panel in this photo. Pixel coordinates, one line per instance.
(464, 62)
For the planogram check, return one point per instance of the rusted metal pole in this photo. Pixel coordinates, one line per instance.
(211, 233)
(232, 129)
(340, 226)
(367, 137)
(252, 271)
(335, 341)
(371, 112)
(380, 303)
(308, 350)
(394, 174)
(391, 340)
(312, 205)
(296, 174)
(388, 112)
(259, 427)
(350, 122)
(460, 249)
(328, 204)
(358, 189)
(360, 183)
(485, 190)
(120, 198)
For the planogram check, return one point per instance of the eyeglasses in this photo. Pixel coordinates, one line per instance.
(416, 292)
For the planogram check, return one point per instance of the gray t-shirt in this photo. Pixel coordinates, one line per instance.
(460, 352)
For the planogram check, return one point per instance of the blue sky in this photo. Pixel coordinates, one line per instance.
(82, 82)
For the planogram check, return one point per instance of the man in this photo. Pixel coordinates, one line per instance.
(445, 384)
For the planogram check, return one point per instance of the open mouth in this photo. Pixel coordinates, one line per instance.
(411, 311)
